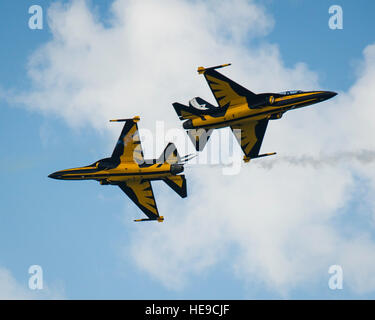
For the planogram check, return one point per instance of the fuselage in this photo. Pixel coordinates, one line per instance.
(270, 106)
(108, 173)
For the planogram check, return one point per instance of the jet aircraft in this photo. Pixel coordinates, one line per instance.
(245, 112)
(128, 169)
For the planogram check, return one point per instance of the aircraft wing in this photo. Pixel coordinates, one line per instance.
(128, 147)
(226, 91)
(250, 135)
(141, 193)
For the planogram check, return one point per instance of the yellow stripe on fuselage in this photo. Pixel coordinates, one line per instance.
(297, 95)
(123, 172)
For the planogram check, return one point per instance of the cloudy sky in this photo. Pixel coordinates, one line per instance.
(271, 231)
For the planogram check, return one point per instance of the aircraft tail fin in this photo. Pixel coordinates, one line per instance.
(202, 106)
(197, 107)
(170, 155)
(178, 184)
(184, 112)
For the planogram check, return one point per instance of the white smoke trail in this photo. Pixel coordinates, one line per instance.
(361, 156)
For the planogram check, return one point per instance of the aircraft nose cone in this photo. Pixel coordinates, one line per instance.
(329, 94)
(54, 175)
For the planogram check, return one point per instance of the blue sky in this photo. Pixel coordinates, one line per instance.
(78, 232)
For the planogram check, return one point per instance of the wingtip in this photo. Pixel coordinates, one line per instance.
(246, 159)
(134, 119)
(159, 219)
(201, 70)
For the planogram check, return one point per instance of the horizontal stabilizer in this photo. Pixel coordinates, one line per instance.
(178, 184)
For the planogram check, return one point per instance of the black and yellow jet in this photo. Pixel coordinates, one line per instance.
(128, 169)
(245, 112)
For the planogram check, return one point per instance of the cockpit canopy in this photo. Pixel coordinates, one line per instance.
(287, 93)
(104, 164)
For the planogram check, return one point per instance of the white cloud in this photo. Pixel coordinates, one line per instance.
(9, 288)
(280, 220)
